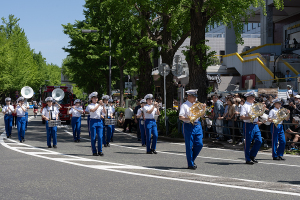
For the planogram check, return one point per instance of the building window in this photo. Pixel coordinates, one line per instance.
(253, 25)
(249, 26)
(258, 24)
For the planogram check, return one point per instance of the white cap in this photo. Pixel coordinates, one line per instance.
(49, 99)
(7, 99)
(297, 96)
(192, 92)
(105, 97)
(278, 100)
(20, 99)
(143, 101)
(251, 93)
(93, 94)
(148, 96)
(77, 101)
(289, 86)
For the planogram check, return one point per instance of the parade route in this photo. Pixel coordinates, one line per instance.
(218, 170)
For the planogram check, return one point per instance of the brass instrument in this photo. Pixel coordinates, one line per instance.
(282, 114)
(257, 110)
(198, 110)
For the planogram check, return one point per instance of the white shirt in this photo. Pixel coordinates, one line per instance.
(139, 112)
(185, 110)
(128, 113)
(87, 109)
(110, 110)
(27, 106)
(246, 109)
(19, 110)
(273, 114)
(54, 111)
(97, 114)
(5, 108)
(147, 108)
(75, 113)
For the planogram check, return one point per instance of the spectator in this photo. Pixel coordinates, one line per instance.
(230, 117)
(295, 43)
(217, 115)
(288, 76)
(289, 92)
(128, 119)
(238, 123)
(286, 43)
(121, 120)
(138, 132)
(293, 133)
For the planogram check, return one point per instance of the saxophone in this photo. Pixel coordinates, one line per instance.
(198, 110)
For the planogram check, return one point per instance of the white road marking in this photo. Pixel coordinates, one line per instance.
(114, 168)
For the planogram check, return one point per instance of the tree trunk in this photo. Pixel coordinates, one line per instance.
(121, 85)
(197, 70)
(145, 83)
(168, 59)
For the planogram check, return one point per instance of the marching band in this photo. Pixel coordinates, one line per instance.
(101, 123)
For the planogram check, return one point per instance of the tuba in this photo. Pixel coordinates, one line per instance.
(257, 110)
(282, 114)
(27, 92)
(198, 110)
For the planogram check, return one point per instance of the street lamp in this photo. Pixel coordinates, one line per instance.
(109, 77)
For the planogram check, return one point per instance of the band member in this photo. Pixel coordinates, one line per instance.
(106, 128)
(87, 112)
(150, 111)
(8, 110)
(26, 113)
(251, 130)
(50, 112)
(57, 105)
(140, 116)
(112, 109)
(193, 133)
(277, 132)
(97, 114)
(21, 119)
(76, 112)
(35, 109)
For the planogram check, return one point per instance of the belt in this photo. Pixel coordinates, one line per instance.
(95, 118)
(21, 116)
(8, 114)
(195, 123)
(149, 118)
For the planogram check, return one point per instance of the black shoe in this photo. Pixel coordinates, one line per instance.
(101, 154)
(54, 146)
(7, 136)
(143, 145)
(75, 141)
(149, 152)
(192, 167)
(139, 139)
(153, 150)
(95, 154)
(108, 145)
(250, 162)
(253, 159)
(78, 141)
(49, 146)
(23, 140)
(195, 165)
(105, 145)
(281, 158)
(112, 139)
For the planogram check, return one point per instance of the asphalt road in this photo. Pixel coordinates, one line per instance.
(32, 171)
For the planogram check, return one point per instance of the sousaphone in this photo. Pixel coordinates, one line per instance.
(27, 92)
(58, 94)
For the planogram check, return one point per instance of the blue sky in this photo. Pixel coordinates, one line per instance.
(41, 21)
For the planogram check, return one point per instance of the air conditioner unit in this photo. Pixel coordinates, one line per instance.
(249, 84)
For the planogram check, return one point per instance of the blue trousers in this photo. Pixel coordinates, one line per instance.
(251, 131)
(193, 135)
(96, 128)
(8, 124)
(277, 135)
(142, 129)
(109, 130)
(113, 130)
(88, 123)
(51, 132)
(76, 126)
(151, 128)
(26, 116)
(21, 122)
